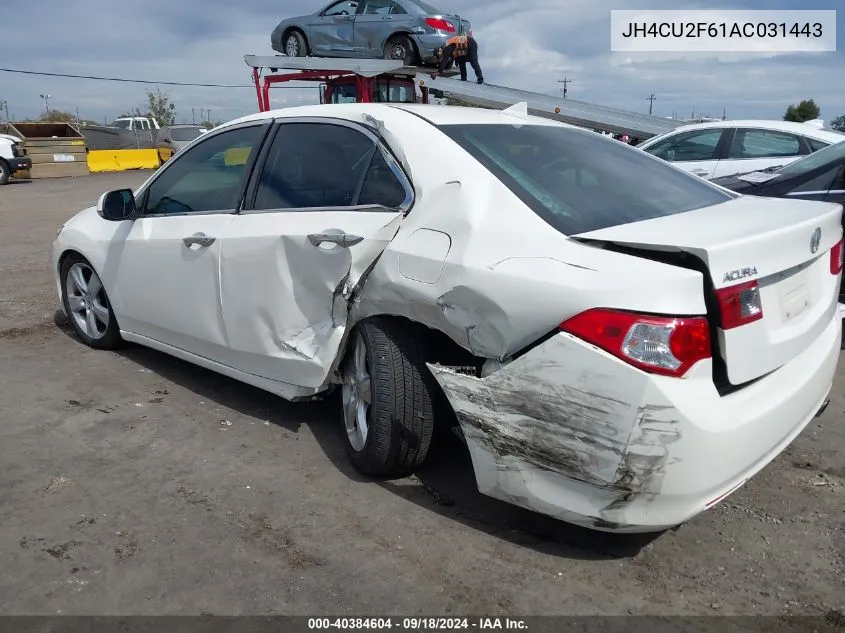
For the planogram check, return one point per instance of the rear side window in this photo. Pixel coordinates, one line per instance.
(578, 181)
(764, 144)
(815, 144)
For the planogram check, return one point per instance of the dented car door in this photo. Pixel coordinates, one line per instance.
(326, 202)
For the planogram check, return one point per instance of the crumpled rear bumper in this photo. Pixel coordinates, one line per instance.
(570, 431)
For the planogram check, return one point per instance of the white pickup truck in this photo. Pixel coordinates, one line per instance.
(13, 158)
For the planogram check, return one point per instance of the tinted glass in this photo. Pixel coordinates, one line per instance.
(342, 8)
(815, 144)
(833, 154)
(207, 176)
(396, 9)
(698, 145)
(184, 133)
(314, 165)
(428, 8)
(822, 182)
(381, 185)
(764, 144)
(579, 181)
(377, 7)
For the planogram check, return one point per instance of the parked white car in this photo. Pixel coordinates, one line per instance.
(622, 344)
(724, 148)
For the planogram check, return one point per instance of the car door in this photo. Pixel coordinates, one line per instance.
(755, 149)
(166, 267)
(378, 20)
(333, 33)
(328, 200)
(695, 151)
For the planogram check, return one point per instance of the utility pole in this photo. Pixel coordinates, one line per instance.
(5, 106)
(209, 117)
(650, 100)
(193, 116)
(46, 98)
(565, 81)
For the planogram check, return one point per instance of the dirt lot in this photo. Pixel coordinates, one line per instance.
(133, 483)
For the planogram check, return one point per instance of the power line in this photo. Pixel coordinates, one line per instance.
(140, 81)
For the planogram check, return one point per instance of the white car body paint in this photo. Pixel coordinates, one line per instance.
(565, 428)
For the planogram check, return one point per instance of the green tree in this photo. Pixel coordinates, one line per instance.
(838, 123)
(807, 110)
(57, 116)
(160, 107)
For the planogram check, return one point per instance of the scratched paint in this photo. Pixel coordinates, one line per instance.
(563, 409)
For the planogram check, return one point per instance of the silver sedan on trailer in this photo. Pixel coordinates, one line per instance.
(408, 30)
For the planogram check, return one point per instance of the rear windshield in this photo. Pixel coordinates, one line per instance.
(579, 181)
(830, 154)
(428, 8)
(185, 133)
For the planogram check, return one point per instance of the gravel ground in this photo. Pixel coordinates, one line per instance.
(133, 483)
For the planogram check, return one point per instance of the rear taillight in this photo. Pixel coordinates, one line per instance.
(739, 305)
(440, 24)
(837, 256)
(659, 345)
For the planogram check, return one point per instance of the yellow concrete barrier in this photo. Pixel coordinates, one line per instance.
(122, 159)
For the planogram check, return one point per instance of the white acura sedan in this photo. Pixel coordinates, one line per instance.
(623, 344)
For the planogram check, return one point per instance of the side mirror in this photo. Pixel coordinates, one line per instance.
(117, 205)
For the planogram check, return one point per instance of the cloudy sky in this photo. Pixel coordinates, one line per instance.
(528, 44)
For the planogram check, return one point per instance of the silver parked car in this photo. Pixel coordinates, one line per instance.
(408, 30)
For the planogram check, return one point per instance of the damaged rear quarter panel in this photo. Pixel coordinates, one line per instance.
(566, 412)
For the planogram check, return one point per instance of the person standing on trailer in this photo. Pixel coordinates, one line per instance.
(462, 49)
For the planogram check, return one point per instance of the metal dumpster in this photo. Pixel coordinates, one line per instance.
(56, 149)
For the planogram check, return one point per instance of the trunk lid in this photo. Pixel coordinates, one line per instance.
(770, 241)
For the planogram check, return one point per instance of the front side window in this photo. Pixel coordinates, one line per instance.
(207, 176)
(321, 165)
(764, 144)
(342, 8)
(688, 146)
(578, 181)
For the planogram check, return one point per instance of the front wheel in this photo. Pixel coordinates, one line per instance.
(5, 172)
(401, 48)
(387, 397)
(86, 304)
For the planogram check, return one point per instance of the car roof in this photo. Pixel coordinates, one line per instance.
(435, 114)
(804, 129)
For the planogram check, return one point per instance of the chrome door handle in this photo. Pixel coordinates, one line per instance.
(344, 240)
(201, 239)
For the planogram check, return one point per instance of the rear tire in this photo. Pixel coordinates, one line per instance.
(295, 44)
(387, 398)
(401, 48)
(5, 172)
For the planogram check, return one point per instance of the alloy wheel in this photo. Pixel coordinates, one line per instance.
(357, 394)
(86, 300)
